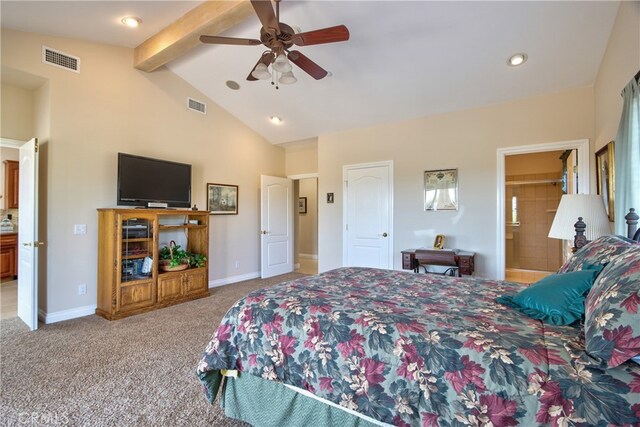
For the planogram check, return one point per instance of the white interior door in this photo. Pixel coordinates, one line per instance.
(276, 222)
(28, 243)
(368, 216)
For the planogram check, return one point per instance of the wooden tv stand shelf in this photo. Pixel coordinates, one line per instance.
(130, 280)
(412, 258)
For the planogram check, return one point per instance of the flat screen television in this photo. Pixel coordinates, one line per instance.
(153, 183)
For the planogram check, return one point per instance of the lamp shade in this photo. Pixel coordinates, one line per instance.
(588, 206)
(261, 72)
(288, 78)
(281, 64)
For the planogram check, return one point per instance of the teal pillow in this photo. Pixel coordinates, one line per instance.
(557, 299)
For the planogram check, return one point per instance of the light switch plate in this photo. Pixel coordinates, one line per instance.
(80, 229)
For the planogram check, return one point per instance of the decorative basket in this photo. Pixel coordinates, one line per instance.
(165, 264)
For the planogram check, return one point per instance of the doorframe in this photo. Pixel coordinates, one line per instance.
(584, 180)
(345, 169)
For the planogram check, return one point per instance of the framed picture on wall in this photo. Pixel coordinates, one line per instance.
(222, 199)
(441, 190)
(302, 205)
(606, 176)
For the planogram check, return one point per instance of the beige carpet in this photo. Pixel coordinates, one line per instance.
(138, 371)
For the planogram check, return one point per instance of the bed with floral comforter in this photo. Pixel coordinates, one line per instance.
(419, 350)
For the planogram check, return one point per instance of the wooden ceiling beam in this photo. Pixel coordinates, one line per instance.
(211, 18)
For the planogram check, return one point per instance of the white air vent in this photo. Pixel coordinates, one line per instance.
(60, 59)
(196, 105)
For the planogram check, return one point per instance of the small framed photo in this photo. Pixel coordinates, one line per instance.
(605, 176)
(222, 199)
(439, 242)
(302, 205)
(441, 190)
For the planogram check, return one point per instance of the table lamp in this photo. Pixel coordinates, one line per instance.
(588, 210)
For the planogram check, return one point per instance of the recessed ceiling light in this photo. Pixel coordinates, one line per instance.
(275, 120)
(232, 85)
(131, 21)
(517, 59)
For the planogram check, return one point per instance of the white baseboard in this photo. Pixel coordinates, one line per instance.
(308, 256)
(72, 313)
(233, 279)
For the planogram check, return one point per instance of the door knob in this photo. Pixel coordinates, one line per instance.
(264, 232)
(384, 234)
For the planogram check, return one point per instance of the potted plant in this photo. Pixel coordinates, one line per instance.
(174, 258)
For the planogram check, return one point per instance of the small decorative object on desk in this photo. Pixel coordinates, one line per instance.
(6, 225)
(439, 242)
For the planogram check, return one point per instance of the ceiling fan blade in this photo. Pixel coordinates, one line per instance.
(338, 33)
(307, 65)
(229, 40)
(266, 59)
(267, 16)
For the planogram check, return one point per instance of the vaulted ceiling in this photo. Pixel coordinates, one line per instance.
(403, 59)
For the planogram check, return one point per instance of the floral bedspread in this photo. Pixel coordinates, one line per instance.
(419, 350)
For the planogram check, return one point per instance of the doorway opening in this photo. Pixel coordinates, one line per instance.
(305, 190)
(534, 184)
(10, 155)
(577, 181)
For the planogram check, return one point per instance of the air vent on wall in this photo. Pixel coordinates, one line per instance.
(196, 105)
(60, 59)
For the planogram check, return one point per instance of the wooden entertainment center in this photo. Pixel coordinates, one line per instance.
(130, 280)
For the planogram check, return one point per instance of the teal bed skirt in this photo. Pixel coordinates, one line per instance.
(263, 403)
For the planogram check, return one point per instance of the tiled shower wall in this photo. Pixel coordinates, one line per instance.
(527, 244)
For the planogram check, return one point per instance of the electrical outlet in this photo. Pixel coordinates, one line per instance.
(80, 229)
(237, 264)
(82, 289)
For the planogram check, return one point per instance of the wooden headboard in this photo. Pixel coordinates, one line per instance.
(632, 230)
(632, 224)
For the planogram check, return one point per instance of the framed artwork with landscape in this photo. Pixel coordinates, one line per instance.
(605, 176)
(222, 199)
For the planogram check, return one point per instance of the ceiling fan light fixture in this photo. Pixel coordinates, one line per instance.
(517, 59)
(261, 72)
(282, 64)
(287, 78)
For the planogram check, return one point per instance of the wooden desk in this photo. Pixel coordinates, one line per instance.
(412, 258)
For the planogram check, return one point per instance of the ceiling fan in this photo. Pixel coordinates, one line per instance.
(280, 38)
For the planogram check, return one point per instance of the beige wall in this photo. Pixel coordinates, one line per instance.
(620, 63)
(466, 140)
(308, 223)
(111, 107)
(301, 157)
(18, 110)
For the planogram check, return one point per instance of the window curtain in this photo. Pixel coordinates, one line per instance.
(627, 157)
